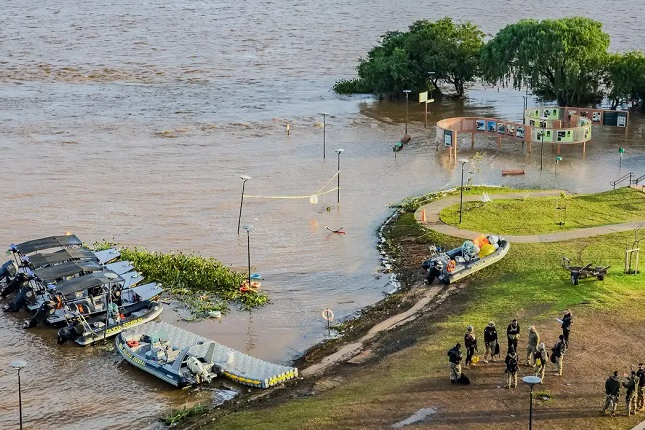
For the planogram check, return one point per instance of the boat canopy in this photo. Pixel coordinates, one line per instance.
(46, 243)
(40, 260)
(69, 268)
(84, 282)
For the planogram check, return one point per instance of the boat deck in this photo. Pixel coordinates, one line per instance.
(237, 366)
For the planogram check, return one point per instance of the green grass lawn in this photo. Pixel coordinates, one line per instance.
(528, 283)
(539, 215)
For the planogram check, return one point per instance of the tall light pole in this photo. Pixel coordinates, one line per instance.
(542, 126)
(239, 218)
(108, 299)
(531, 380)
(248, 228)
(19, 364)
(324, 134)
(338, 151)
(430, 100)
(463, 161)
(407, 93)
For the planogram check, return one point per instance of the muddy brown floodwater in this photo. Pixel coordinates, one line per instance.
(134, 122)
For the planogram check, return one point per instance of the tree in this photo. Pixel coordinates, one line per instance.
(403, 59)
(562, 59)
(626, 77)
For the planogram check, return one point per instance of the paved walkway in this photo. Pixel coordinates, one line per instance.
(433, 221)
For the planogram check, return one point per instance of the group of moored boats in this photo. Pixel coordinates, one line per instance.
(93, 295)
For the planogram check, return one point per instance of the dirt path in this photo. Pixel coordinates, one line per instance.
(433, 221)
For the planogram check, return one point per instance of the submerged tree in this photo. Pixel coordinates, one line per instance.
(626, 78)
(562, 59)
(403, 59)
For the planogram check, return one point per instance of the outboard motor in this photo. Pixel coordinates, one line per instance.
(45, 310)
(19, 301)
(434, 266)
(197, 368)
(15, 284)
(7, 271)
(71, 332)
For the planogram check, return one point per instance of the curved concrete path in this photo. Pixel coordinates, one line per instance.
(433, 221)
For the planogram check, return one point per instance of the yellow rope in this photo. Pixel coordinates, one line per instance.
(318, 193)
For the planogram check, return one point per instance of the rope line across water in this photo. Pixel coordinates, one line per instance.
(318, 193)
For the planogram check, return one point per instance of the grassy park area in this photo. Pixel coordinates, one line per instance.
(539, 215)
(408, 371)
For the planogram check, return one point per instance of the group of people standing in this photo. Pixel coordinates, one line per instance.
(536, 354)
(634, 383)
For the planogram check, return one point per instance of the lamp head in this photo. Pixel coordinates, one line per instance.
(339, 150)
(245, 177)
(463, 161)
(431, 73)
(18, 364)
(324, 113)
(543, 118)
(247, 227)
(110, 275)
(407, 91)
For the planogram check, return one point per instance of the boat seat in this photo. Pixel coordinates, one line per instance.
(172, 354)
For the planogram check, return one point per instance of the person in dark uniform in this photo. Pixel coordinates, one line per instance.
(631, 385)
(490, 339)
(470, 341)
(454, 356)
(511, 368)
(641, 383)
(513, 334)
(567, 320)
(558, 353)
(612, 392)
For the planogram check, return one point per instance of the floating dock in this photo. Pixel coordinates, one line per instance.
(235, 365)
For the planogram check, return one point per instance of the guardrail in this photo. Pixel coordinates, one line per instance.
(637, 180)
(622, 179)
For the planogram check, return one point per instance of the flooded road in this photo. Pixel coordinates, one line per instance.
(133, 123)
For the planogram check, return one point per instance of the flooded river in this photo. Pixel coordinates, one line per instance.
(134, 121)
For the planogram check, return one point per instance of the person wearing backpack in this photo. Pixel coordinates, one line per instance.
(490, 339)
(540, 359)
(511, 368)
(612, 392)
(558, 355)
(454, 356)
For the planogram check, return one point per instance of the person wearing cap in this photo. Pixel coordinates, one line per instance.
(490, 339)
(558, 353)
(470, 342)
(540, 358)
(513, 334)
(567, 320)
(631, 385)
(511, 368)
(534, 341)
(454, 356)
(612, 392)
(641, 383)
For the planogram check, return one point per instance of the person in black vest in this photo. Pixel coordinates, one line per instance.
(511, 368)
(558, 355)
(470, 341)
(631, 385)
(641, 383)
(490, 339)
(612, 392)
(513, 334)
(567, 320)
(540, 359)
(454, 356)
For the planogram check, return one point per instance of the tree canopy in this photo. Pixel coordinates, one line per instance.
(562, 59)
(626, 77)
(403, 59)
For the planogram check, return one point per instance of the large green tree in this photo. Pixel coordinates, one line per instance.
(626, 78)
(562, 59)
(403, 59)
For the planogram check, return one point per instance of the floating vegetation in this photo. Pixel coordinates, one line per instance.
(175, 418)
(204, 285)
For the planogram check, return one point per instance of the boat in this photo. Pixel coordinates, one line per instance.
(182, 358)
(85, 331)
(472, 256)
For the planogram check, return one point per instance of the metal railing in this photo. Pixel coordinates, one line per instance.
(637, 180)
(622, 179)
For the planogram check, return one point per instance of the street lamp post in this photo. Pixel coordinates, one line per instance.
(324, 134)
(239, 218)
(531, 380)
(557, 160)
(339, 151)
(248, 228)
(430, 100)
(19, 364)
(108, 299)
(407, 93)
(542, 126)
(463, 161)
